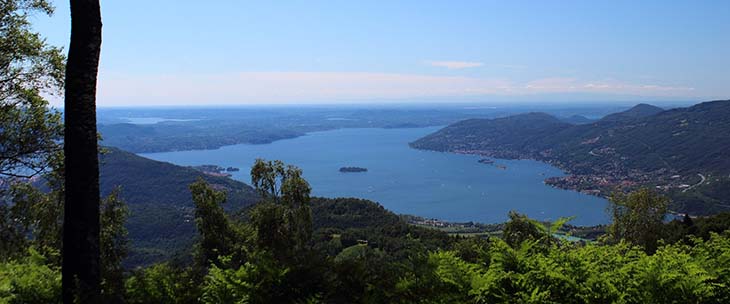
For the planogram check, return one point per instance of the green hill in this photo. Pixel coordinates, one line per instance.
(500, 137)
(349, 221)
(644, 146)
(681, 141)
(161, 207)
(637, 111)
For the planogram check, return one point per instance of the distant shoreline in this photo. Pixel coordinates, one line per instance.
(196, 146)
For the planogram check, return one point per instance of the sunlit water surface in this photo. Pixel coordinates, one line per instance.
(446, 186)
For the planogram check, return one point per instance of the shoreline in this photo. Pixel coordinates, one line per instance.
(262, 142)
(568, 175)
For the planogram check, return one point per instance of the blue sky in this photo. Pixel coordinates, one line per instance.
(240, 52)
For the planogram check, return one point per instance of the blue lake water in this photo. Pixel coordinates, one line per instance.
(446, 186)
(152, 120)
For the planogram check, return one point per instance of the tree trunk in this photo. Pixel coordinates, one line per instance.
(81, 266)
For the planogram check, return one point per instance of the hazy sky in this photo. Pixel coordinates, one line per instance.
(159, 52)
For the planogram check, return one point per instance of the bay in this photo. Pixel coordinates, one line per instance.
(447, 186)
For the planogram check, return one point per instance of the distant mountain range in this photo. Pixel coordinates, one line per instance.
(679, 151)
(179, 136)
(201, 128)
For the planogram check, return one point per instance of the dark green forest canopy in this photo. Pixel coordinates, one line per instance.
(362, 253)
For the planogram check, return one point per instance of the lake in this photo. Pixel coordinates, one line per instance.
(152, 120)
(446, 186)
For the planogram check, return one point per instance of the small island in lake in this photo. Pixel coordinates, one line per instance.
(353, 169)
(486, 161)
(213, 170)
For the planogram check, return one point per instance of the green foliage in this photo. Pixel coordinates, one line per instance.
(713, 255)
(669, 275)
(474, 250)
(283, 222)
(271, 247)
(29, 130)
(113, 246)
(638, 218)
(617, 273)
(261, 280)
(31, 233)
(33, 218)
(454, 274)
(520, 228)
(217, 235)
(162, 283)
(270, 225)
(359, 274)
(533, 272)
(343, 213)
(30, 280)
(717, 224)
(12, 235)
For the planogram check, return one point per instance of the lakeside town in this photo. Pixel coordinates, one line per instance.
(603, 180)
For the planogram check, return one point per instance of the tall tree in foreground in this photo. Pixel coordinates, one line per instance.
(217, 235)
(114, 246)
(81, 265)
(283, 220)
(638, 218)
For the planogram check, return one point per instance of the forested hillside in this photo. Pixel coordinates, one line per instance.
(675, 150)
(508, 137)
(161, 208)
(638, 111)
(683, 141)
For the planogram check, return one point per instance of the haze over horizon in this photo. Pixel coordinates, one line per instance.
(186, 54)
